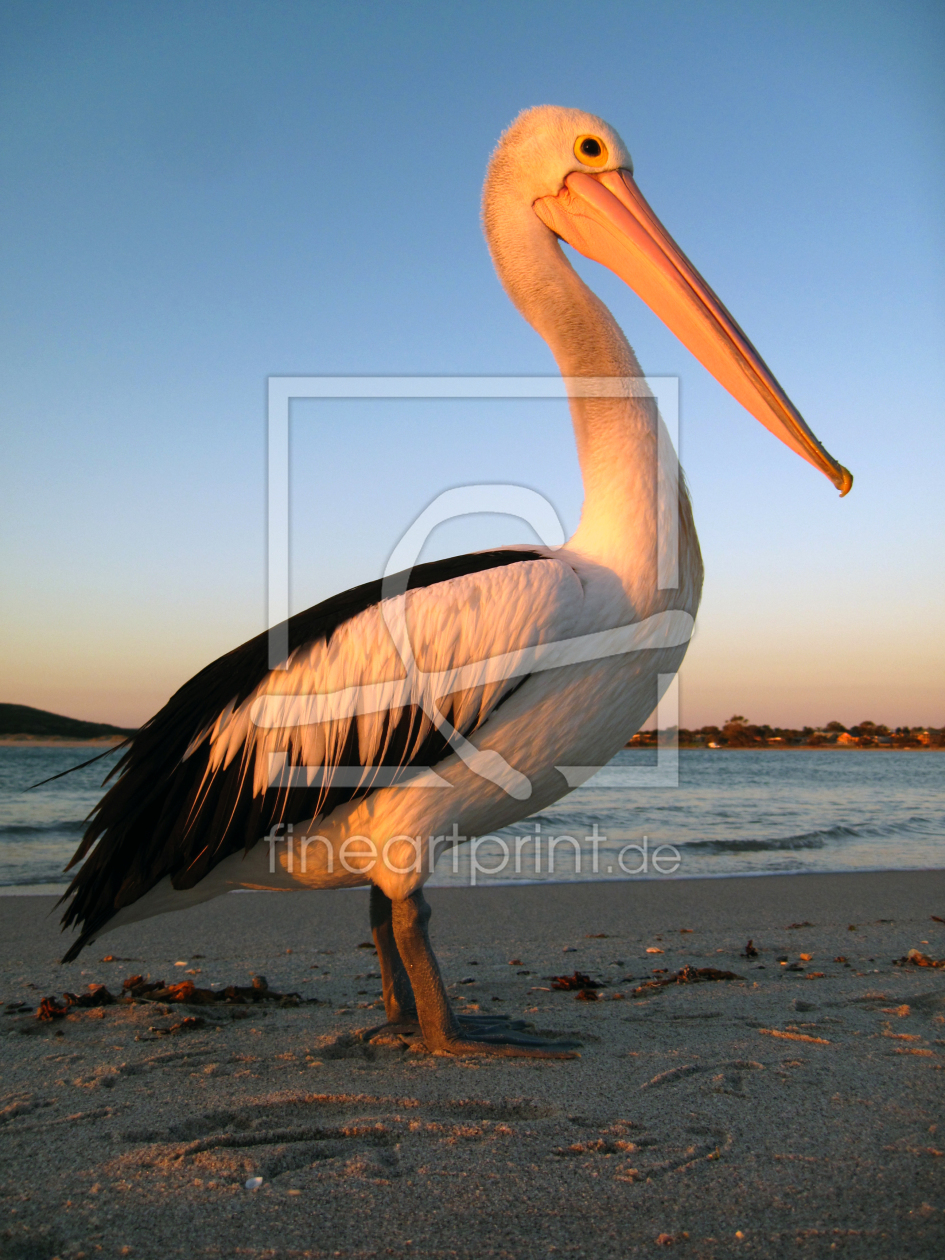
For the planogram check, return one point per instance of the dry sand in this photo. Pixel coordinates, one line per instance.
(686, 1117)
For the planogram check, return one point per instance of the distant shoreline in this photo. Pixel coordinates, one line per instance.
(22, 726)
(113, 741)
(803, 747)
(60, 741)
(21, 722)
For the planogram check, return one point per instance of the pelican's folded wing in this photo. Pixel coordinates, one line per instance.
(195, 783)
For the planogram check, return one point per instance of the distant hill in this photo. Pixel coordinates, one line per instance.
(21, 719)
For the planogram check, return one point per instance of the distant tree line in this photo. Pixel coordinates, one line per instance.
(738, 732)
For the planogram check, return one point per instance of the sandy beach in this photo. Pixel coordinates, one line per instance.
(796, 1110)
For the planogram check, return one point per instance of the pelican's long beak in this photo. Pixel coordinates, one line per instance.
(606, 218)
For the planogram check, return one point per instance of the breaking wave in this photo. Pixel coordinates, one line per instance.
(807, 840)
(27, 831)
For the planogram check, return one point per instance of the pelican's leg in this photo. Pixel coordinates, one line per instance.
(399, 1003)
(442, 1031)
(403, 1025)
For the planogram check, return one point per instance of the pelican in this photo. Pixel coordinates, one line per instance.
(439, 707)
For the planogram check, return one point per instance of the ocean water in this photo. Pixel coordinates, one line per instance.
(731, 813)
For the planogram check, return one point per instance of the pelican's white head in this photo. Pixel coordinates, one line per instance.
(544, 146)
(562, 174)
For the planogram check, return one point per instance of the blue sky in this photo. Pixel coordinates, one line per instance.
(196, 197)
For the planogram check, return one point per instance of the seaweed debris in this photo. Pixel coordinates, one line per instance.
(686, 975)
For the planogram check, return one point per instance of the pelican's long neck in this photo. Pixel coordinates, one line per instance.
(617, 438)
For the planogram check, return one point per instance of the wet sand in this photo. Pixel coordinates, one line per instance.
(791, 1112)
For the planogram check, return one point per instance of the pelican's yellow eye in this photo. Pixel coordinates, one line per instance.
(591, 150)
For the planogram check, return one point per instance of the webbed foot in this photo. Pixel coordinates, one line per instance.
(477, 1034)
(508, 1045)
